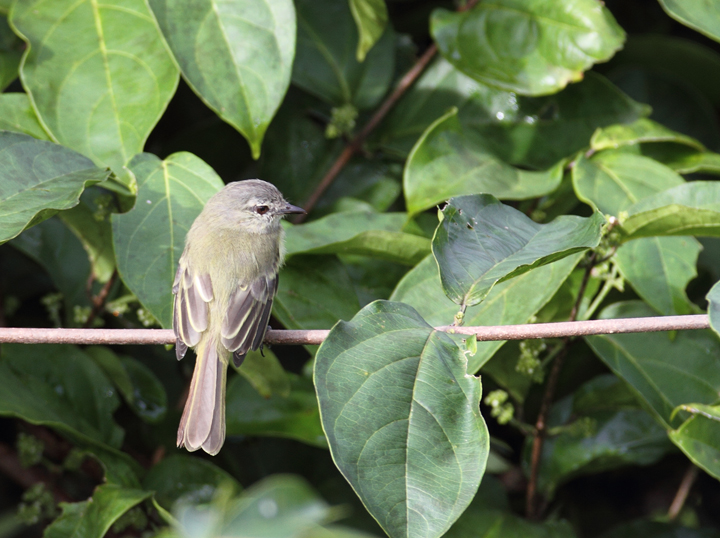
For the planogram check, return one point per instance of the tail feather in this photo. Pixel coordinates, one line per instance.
(203, 420)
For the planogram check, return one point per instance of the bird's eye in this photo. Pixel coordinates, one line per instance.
(261, 209)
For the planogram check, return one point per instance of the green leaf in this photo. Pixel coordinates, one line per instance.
(659, 269)
(99, 75)
(94, 517)
(612, 181)
(314, 292)
(713, 298)
(59, 386)
(188, 479)
(95, 236)
(294, 416)
(533, 48)
(370, 234)
(534, 132)
(688, 209)
(281, 506)
(511, 302)
(459, 155)
(664, 372)
(641, 131)
(60, 253)
(237, 56)
(481, 242)
(685, 160)
(38, 179)
(263, 371)
(17, 114)
(603, 428)
(325, 63)
(402, 418)
(701, 16)
(699, 436)
(371, 17)
(137, 384)
(150, 238)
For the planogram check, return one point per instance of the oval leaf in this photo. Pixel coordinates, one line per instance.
(38, 179)
(98, 74)
(481, 242)
(530, 47)
(150, 238)
(237, 56)
(462, 158)
(402, 418)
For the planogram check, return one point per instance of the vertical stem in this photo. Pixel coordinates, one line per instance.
(683, 491)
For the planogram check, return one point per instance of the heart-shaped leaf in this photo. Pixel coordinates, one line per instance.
(461, 157)
(530, 47)
(98, 74)
(38, 179)
(402, 418)
(150, 238)
(237, 56)
(481, 242)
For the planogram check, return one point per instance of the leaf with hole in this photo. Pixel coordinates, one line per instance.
(402, 418)
(481, 242)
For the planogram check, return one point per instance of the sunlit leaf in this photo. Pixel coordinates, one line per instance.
(701, 16)
(370, 16)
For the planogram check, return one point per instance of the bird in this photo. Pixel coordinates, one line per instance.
(224, 287)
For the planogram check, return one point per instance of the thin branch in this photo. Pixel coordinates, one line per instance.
(99, 300)
(683, 491)
(316, 337)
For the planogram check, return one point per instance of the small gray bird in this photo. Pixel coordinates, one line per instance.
(224, 287)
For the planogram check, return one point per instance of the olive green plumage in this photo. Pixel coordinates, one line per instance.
(224, 288)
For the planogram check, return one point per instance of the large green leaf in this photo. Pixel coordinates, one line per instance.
(94, 517)
(294, 415)
(511, 302)
(688, 209)
(461, 157)
(184, 478)
(699, 436)
(314, 292)
(659, 269)
(604, 428)
(237, 56)
(481, 242)
(150, 238)
(38, 179)
(402, 419)
(701, 16)
(612, 181)
(371, 17)
(17, 114)
(640, 131)
(664, 372)
(325, 64)
(533, 48)
(370, 234)
(528, 131)
(98, 74)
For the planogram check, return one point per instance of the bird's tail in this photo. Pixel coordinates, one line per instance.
(203, 421)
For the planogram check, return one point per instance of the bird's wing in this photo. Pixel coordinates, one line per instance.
(245, 322)
(192, 293)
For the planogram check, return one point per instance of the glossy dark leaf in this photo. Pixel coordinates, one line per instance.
(533, 48)
(481, 242)
(460, 156)
(414, 454)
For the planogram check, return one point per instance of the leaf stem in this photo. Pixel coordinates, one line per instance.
(683, 491)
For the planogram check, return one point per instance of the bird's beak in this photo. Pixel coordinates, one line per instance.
(289, 208)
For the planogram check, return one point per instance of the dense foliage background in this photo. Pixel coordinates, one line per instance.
(596, 124)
